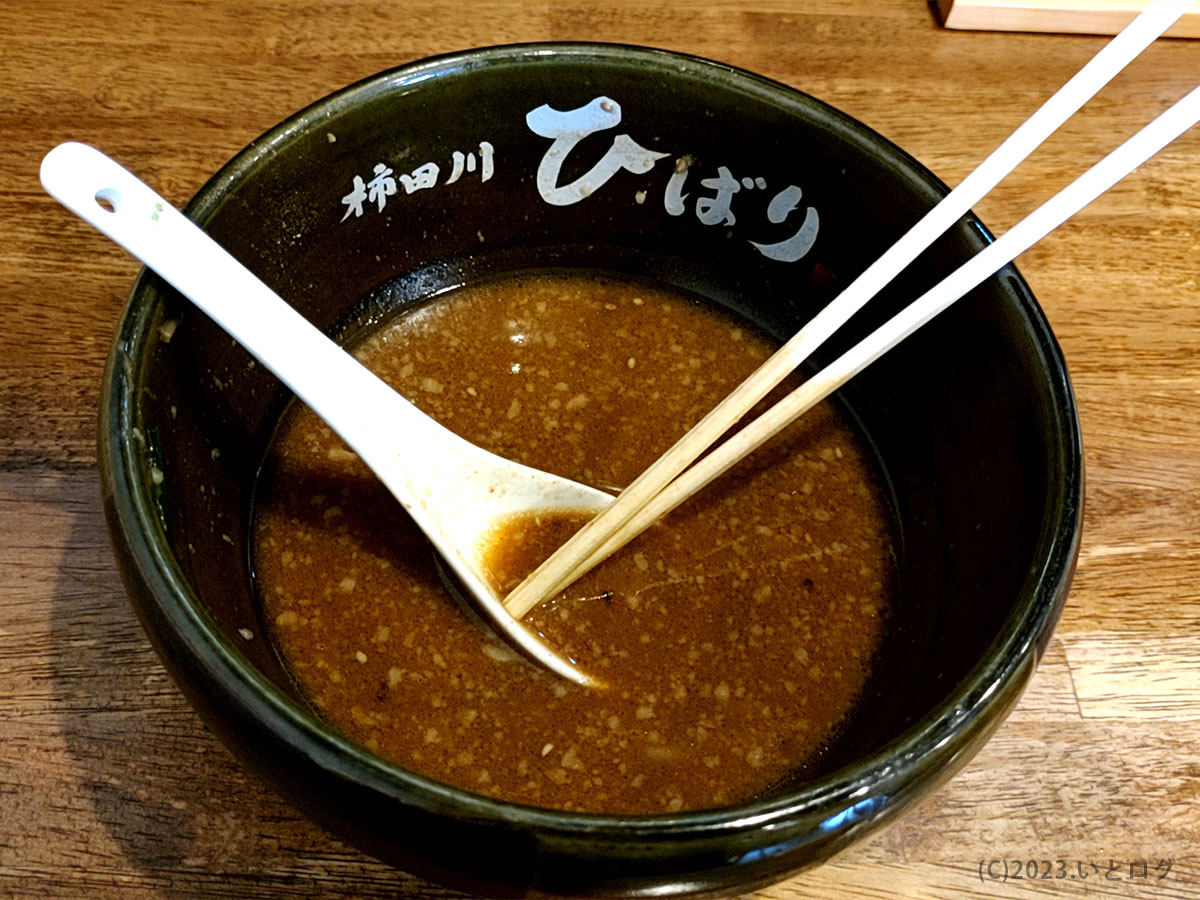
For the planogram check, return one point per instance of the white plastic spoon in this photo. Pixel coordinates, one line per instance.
(453, 489)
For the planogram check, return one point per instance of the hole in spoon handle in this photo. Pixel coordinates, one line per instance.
(109, 200)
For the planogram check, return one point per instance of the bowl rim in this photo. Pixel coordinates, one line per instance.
(1020, 642)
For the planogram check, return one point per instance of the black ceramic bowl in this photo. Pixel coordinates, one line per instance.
(972, 420)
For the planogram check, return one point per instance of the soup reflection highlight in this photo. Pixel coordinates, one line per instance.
(733, 638)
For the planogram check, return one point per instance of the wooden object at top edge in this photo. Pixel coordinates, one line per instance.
(1065, 16)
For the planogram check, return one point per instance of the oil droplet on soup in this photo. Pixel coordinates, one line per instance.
(733, 638)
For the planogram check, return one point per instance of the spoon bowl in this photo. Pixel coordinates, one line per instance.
(454, 490)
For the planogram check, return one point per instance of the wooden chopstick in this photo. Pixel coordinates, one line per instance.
(1147, 142)
(598, 538)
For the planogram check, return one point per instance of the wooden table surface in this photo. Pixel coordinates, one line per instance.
(109, 784)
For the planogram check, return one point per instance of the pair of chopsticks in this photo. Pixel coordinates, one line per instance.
(668, 482)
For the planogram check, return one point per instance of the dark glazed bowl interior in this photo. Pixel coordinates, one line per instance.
(972, 420)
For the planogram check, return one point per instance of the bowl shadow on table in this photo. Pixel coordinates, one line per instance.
(181, 811)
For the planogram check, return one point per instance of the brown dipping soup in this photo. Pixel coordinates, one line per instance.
(732, 639)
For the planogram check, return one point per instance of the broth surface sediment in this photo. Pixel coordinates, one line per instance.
(733, 638)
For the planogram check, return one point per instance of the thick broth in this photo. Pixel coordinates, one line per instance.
(733, 638)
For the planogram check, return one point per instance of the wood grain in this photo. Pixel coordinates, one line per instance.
(109, 785)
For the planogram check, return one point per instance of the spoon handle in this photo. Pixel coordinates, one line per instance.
(347, 395)
(437, 476)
